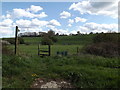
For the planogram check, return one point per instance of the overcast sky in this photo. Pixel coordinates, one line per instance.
(62, 17)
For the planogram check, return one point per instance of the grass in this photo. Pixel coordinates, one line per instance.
(64, 40)
(83, 71)
(32, 40)
(33, 49)
(18, 71)
(75, 40)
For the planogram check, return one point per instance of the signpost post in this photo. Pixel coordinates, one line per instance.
(16, 39)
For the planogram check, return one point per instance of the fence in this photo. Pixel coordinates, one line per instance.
(42, 52)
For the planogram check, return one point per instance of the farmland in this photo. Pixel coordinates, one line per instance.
(63, 40)
(83, 70)
(33, 49)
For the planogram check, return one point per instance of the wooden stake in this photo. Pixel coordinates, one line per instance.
(16, 39)
(49, 50)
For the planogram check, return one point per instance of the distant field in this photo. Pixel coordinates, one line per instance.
(64, 43)
(32, 40)
(62, 40)
(75, 40)
(33, 49)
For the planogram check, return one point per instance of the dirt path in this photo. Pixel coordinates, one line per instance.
(42, 83)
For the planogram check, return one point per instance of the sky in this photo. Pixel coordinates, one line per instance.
(61, 17)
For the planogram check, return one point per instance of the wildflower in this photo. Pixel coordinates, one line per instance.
(34, 75)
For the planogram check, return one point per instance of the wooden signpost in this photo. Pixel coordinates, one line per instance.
(16, 39)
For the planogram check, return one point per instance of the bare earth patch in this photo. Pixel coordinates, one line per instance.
(42, 83)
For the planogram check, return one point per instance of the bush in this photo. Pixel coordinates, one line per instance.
(21, 41)
(54, 39)
(105, 44)
(12, 40)
(6, 50)
(46, 41)
(107, 37)
(104, 49)
(48, 38)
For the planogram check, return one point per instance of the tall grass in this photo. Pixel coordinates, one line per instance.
(87, 71)
(83, 71)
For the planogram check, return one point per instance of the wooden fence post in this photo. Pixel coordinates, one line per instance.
(49, 50)
(16, 39)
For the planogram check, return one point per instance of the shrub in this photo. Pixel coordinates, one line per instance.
(104, 49)
(107, 37)
(12, 40)
(48, 38)
(21, 40)
(54, 39)
(46, 41)
(105, 44)
(6, 50)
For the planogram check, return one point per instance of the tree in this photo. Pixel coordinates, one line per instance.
(51, 33)
(91, 33)
(48, 38)
(46, 41)
(57, 34)
(78, 32)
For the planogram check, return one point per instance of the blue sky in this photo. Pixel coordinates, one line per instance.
(62, 17)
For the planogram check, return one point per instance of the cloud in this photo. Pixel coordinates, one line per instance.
(6, 29)
(65, 14)
(34, 25)
(79, 19)
(31, 23)
(34, 8)
(96, 8)
(6, 22)
(36, 22)
(71, 21)
(17, 13)
(31, 12)
(69, 25)
(21, 13)
(54, 22)
(73, 32)
(6, 32)
(23, 23)
(56, 30)
(33, 29)
(94, 27)
(41, 15)
(60, 31)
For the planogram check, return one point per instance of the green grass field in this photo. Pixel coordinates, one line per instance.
(83, 70)
(33, 49)
(64, 40)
